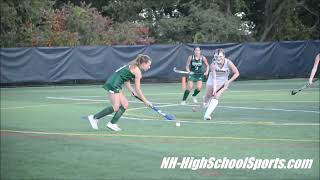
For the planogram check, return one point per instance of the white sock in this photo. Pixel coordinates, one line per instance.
(211, 106)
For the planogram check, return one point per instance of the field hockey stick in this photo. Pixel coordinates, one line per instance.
(181, 72)
(197, 108)
(293, 92)
(167, 116)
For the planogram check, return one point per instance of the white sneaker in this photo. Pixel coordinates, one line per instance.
(194, 99)
(205, 105)
(183, 103)
(113, 127)
(207, 118)
(117, 127)
(93, 122)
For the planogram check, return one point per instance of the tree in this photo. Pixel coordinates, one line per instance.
(9, 27)
(283, 19)
(200, 19)
(89, 22)
(37, 23)
(18, 18)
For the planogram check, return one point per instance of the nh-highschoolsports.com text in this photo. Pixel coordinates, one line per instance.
(226, 163)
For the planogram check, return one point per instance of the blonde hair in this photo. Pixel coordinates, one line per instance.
(140, 59)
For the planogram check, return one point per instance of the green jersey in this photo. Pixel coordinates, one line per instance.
(117, 79)
(196, 65)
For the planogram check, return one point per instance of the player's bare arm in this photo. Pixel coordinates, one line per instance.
(188, 63)
(128, 85)
(207, 66)
(234, 76)
(214, 76)
(137, 83)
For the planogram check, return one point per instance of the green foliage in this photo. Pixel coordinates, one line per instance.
(95, 22)
(283, 19)
(18, 18)
(294, 24)
(128, 33)
(124, 10)
(290, 27)
(70, 25)
(216, 26)
(9, 26)
(86, 21)
(204, 23)
(199, 38)
(172, 30)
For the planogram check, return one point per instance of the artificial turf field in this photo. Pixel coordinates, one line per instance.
(44, 137)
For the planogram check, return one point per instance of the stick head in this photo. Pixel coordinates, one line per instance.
(169, 117)
(293, 92)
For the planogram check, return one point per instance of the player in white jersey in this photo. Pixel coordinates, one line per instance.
(218, 81)
(315, 71)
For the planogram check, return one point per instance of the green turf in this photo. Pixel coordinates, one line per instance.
(44, 137)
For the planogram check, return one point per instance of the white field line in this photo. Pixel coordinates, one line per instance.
(55, 89)
(264, 123)
(93, 100)
(166, 104)
(271, 109)
(269, 123)
(187, 121)
(45, 105)
(236, 107)
(267, 109)
(170, 104)
(144, 107)
(90, 101)
(231, 107)
(265, 100)
(161, 136)
(270, 101)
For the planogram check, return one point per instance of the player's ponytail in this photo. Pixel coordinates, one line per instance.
(140, 59)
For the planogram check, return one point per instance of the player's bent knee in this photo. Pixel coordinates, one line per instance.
(115, 108)
(125, 106)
